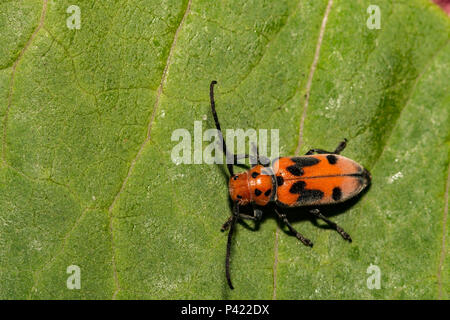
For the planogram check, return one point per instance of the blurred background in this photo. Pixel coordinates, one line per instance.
(444, 4)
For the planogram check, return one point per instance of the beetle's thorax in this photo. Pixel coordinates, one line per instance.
(252, 186)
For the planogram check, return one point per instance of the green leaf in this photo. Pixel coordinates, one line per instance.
(86, 176)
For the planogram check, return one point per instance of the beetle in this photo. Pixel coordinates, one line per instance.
(318, 178)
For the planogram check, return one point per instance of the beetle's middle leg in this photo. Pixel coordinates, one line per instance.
(298, 235)
(338, 149)
(317, 214)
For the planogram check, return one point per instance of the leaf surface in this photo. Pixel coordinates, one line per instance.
(87, 179)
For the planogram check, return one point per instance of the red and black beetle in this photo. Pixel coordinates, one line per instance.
(318, 178)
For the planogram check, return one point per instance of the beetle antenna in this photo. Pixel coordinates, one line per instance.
(230, 235)
(216, 120)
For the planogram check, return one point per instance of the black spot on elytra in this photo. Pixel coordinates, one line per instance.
(255, 174)
(331, 159)
(300, 162)
(280, 181)
(258, 192)
(295, 170)
(239, 196)
(306, 195)
(297, 187)
(267, 193)
(235, 177)
(305, 161)
(337, 194)
(310, 196)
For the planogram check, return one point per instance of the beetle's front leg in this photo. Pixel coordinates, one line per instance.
(257, 213)
(227, 223)
(256, 217)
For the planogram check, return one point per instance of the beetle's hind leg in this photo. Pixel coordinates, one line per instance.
(317, 214)
(298, 235)
(338, 149)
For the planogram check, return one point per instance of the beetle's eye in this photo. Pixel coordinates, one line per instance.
(239, 196)
(235, 177)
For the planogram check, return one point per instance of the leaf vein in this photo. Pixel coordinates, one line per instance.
(444, 229)
(147, 139)
(302, 120)
(13, 74)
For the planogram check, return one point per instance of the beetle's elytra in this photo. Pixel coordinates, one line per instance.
(318, 178)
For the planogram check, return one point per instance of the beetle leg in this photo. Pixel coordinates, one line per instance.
(264, 161)
(318, 151)
(341, 146)
(238, 157)
(317, 214)
(227, 223)
(257, 213)
(247, 217)
(338, 149)
(299, 236)
(254, 160)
